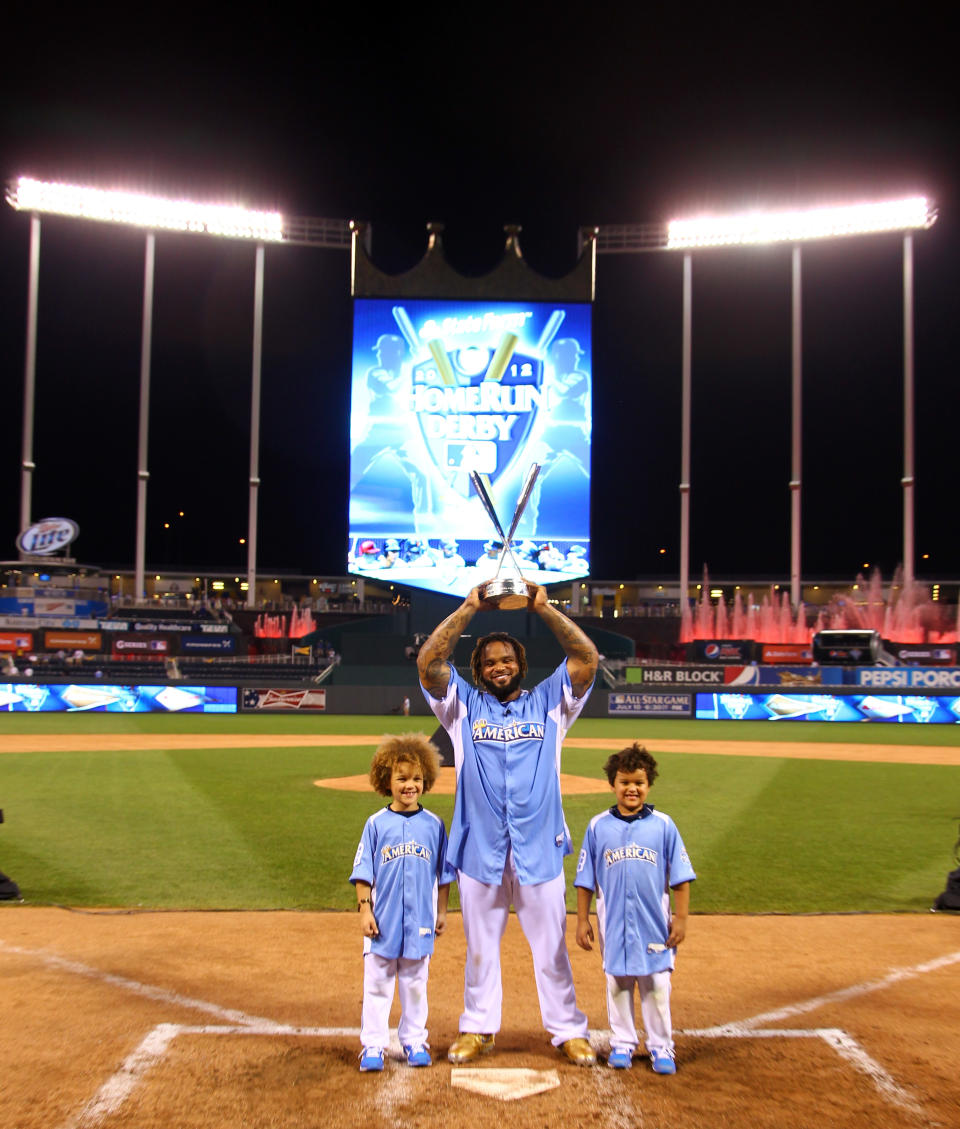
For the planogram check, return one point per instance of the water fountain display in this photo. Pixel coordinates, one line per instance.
(275, 626)
(903, 614)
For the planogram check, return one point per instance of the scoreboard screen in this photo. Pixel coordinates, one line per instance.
(441, 388)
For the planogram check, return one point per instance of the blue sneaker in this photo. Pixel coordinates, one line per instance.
(620, 1059)
(371, 1059)
(417, 1054)
(662, 1062)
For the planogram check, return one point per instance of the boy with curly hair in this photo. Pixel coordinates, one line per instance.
(633, 857)
(402, 882)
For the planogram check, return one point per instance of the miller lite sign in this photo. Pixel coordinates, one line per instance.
(48, 535)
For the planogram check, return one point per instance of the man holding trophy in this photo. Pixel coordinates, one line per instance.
(508, 837)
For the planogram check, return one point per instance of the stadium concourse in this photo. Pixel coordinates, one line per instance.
(349, 646)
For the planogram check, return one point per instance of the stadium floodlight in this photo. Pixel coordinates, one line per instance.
(797, 225)
(152, 213)
(228, 221)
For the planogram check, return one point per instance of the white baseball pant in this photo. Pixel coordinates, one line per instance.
(379, 977)
(542, 913)
(654, 992)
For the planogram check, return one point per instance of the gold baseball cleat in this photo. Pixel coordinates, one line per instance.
(469, 1045)
(579, 1051)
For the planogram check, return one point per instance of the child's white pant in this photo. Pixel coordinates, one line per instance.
(542, 914)
(379, 977)
(654, 991)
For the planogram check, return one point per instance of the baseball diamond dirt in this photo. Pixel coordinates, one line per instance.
(117, 1019)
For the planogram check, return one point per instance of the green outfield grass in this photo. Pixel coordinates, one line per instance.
(628, 728)
(247, 828)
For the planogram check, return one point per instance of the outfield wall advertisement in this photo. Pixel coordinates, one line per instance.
(642, 703)
(99, 697)
(908, 677)
(443, 388)
(271, 698)
(698, 676)
(900, 708)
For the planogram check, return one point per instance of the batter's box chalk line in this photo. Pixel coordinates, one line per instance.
(504, 1084)
(115, 1091)
(845, 1045)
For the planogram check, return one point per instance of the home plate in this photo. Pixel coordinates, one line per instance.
(507, 1085)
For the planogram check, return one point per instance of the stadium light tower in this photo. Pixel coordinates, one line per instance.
(156, 213)
(794, 226)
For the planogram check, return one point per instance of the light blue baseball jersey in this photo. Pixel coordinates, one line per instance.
(403, 858)
(507, 757)
(631, 862)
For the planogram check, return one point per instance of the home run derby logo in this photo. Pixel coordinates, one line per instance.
(476, 406)
(613, 855)
(520, 731)
(394, 851)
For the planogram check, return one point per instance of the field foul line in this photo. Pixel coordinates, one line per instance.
(118, 1087)
(839, 996)
(162, 995)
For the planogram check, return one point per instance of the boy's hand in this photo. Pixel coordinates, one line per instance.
(368, 923)
(678, 930)
(441, 922)
(585, 935)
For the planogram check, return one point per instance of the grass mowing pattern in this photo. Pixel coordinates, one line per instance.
(246, 828)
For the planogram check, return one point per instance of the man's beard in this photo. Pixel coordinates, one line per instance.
(501, 693)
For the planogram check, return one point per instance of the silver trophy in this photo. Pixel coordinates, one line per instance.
(507, 592)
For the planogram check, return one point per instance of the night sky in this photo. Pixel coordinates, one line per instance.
(531, 121)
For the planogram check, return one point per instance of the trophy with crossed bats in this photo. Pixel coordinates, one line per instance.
(506, 591)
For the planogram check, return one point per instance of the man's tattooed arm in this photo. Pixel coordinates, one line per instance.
(433, 655)
(582, 656)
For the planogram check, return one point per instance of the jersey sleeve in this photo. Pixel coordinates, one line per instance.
(364, 858)
(679, 868)
(570, 705)
(585, 863)
(445, 708)
(445, 872)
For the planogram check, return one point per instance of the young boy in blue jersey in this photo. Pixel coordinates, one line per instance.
(402, 881)
(633, 857)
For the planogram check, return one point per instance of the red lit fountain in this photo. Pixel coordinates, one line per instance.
(905, 615)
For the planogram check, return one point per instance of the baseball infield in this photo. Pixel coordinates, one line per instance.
(111, 1020)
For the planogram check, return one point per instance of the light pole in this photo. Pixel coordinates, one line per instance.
(155, 213)
(793, 226)
(143, 432)
(27, 465)
(686, 408)
(907, 481)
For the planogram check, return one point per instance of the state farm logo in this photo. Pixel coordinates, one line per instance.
(47, 535)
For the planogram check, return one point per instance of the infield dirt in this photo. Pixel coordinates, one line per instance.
(116, 742)
(82, 991)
